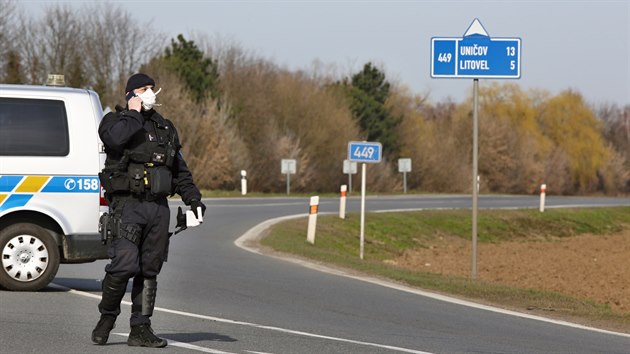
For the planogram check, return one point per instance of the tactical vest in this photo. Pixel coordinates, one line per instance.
(144, 170)
(155, 146)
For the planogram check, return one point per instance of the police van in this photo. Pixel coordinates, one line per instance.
(50, 194)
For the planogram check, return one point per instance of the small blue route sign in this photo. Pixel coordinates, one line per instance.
(476, 55)
(363, 151)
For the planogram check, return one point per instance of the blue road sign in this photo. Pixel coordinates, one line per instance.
(476, 55)
(363, 151)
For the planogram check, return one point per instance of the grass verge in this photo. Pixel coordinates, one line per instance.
(389, 235)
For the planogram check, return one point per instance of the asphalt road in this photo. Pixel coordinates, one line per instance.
(214, 297)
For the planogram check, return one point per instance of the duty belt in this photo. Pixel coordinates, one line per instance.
(141, 197)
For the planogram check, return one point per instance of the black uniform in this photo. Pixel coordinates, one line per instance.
(144, 165)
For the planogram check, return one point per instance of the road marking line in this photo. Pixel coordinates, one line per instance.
(250, 324)
(175, 343)
(254, 233)
(221, 206)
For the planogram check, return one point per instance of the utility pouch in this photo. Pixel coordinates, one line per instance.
(114, 181)
(104, 228)
(135, 172)
(131, 232)
(170, 156)
(139, 156)
(160, 178)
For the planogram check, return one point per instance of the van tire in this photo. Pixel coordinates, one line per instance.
(29, 257)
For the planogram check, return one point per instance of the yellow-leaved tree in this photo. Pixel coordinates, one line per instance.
(573, 128)
(511, 147)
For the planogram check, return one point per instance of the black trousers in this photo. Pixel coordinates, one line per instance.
(142, 261)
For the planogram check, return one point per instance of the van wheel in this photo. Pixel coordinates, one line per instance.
(30, 257)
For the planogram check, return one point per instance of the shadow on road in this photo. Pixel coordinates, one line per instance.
(87, 285)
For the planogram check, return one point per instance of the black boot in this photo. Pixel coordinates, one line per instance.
(143, 296)
(143, 336)
(113, 291)
(100, 334)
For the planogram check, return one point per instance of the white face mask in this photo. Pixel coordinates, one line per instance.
(148, 98)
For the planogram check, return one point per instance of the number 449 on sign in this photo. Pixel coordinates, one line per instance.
(367, 152)
(445, 57)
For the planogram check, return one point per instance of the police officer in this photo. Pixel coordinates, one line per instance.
(143, 166)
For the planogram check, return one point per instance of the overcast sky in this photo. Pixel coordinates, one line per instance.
(579, 45)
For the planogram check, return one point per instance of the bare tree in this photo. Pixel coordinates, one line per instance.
(30, 50)
(7, 28)
(61, 37)
(52, 44)
(116, 45)
(616, 127)
(49, 45)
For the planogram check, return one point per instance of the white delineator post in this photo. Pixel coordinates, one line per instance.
(543, 191)
(243, 182)
(342, 201)
(312, 220)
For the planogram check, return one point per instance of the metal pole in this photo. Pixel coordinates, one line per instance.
(474, 175)
(288, 183)
(405, 181)
(350, 182)
(362, 209)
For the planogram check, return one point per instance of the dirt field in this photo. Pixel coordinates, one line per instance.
(593, 267)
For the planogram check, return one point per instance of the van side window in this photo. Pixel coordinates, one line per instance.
(33, 127)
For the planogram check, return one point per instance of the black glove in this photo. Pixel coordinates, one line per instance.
(181, 219)
(194, 204)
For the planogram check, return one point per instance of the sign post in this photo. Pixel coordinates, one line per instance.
(404, 166)
(349, 168)
(288, 167)
(364, 152)
(475, 56)
(475, 169)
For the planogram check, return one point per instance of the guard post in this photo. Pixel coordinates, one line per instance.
(543, 193)
(342, 201)
(243, 182)
(312, 219)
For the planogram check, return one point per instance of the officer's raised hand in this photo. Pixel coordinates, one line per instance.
(194, 204)
(135, 103)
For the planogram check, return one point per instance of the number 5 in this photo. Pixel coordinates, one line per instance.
(512, 65)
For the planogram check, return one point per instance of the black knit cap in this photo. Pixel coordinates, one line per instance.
(137, 81)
